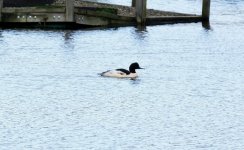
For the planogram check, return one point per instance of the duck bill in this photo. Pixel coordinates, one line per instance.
(141, 68)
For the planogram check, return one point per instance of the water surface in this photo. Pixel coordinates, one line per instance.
(190, 96)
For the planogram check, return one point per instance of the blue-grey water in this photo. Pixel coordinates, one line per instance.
(190, 96)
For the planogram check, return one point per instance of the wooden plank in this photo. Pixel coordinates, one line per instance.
(99, 12)
(141, 11)
(173, 19)
(96, 13)
(27, 3)
(1, 6)
(33, 17)
(69, 10)
(111, 11)
(91, 21)
(33, 10)
(206, 9)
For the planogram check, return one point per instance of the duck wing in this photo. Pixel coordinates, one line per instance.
(124, 71)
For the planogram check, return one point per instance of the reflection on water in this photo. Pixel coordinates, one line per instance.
(68, 40)
(189, 96)
(141, 28)
(141, 32)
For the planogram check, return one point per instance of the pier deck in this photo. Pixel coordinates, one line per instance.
(83, 13)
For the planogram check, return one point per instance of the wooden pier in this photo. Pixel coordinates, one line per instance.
(77, 15)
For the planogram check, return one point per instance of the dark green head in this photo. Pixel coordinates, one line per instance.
(134, 66)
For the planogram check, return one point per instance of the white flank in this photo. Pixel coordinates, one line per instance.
(119, 74)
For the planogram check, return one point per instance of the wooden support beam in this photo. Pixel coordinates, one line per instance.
(133, 3)
(16, 10)
(1, 6)
(70, 10)
(206, 10)
(141, 11)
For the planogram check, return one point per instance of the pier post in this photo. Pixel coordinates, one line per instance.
(1, 6)
(141, 11)
(69, 10)
(206, 10)
(133, 3)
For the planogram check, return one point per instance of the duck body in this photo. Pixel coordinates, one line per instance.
(123, 73)
(119, 73)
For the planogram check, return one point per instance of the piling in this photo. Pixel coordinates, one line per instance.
(69, 10)
(133, 4)
(1, 6)
(141, 11)
(206, 10)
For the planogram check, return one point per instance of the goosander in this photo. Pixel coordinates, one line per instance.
(123, 73)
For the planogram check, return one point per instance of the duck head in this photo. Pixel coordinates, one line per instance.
(134, 66)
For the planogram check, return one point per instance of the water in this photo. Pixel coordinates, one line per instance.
(190, 96)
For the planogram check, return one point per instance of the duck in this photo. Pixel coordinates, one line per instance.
(123, 73)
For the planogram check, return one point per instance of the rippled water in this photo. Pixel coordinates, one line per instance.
(190, 96)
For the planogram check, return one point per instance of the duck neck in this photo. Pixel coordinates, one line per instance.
(132, 70)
